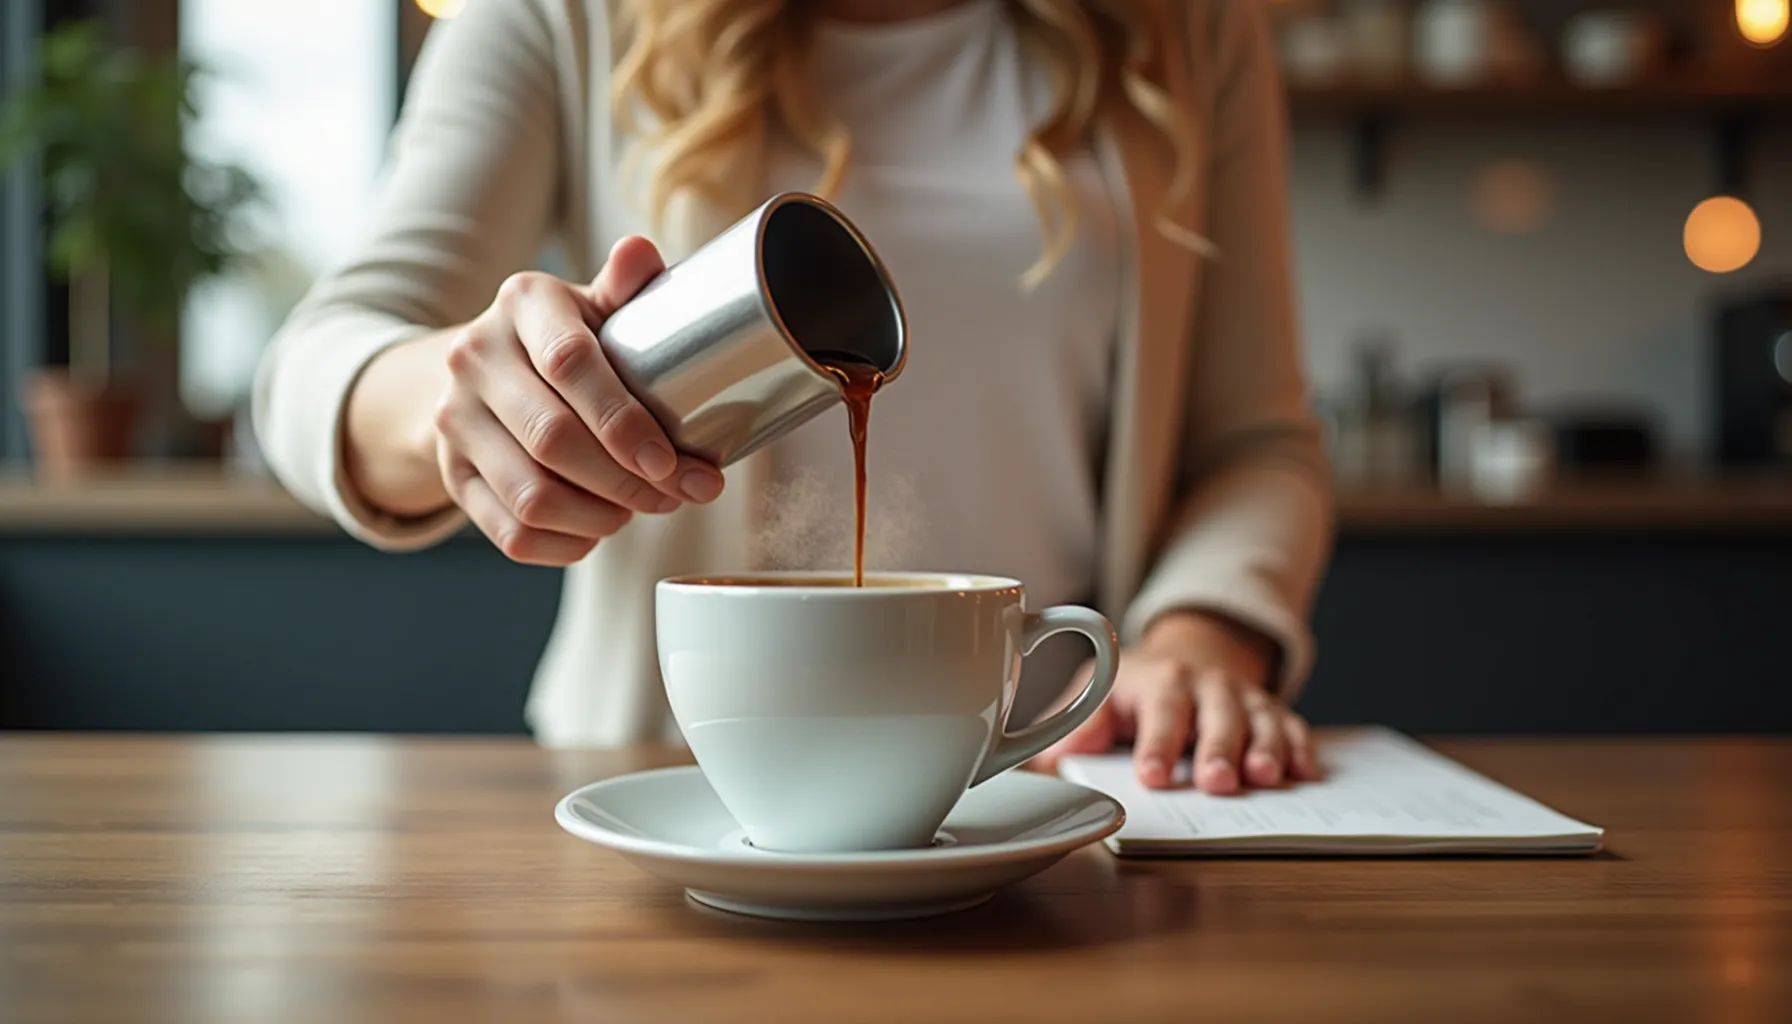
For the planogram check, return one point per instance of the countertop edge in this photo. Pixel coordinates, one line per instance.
(211, 503)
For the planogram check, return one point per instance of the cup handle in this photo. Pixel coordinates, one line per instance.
(1017, 747)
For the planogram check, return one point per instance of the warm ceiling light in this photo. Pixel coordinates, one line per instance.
(1763, 22)
(445, 9)
(1722, 235)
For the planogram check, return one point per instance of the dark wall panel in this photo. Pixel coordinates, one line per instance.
(1665, 633)
(300, 634)
(1457, 634)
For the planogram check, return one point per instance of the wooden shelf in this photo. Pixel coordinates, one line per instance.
(155, 500)
(1734, 107)
(1739, 504)
(1544, 98)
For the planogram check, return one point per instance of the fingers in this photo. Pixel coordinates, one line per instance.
(1243, 735)
(546, 432)
(1221, 735)
(632, 263)
(539, 440)
(1266, 758)
(1165, 716)
(1094, 736)
(532, 498)
(1300, 747)
(549, 320)
(518, 542)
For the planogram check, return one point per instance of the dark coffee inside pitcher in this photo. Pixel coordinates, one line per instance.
(836, 303)
(829, 291)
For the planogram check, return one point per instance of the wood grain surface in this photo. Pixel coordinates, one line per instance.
(253, 879)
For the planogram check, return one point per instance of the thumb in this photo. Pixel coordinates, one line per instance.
(1094, 736)
(632, 263)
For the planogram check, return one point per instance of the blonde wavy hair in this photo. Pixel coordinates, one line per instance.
(711, 74)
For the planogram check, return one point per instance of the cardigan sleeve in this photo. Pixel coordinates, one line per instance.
(468, 199)
(1251, 529)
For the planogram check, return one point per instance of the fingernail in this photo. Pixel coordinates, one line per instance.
(1156, 770)
(667, 504)
(1221, 777)
(1265, 770)
(656, 460)
(701, 486)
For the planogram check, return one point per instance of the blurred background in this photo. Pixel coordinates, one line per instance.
(1545, 262)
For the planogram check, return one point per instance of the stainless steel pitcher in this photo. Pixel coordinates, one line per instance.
(725, 348)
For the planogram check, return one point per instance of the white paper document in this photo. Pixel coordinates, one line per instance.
(1382, 794)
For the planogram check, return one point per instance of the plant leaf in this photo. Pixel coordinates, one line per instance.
(107, 125)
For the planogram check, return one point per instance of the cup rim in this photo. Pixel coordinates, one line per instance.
(789, 583)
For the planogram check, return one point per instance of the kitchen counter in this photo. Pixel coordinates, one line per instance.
(154, 499)
(200, 500)
(200, 879)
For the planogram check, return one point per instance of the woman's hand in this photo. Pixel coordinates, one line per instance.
(1196, 677)
(537, 438)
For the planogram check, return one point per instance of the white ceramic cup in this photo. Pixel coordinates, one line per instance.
(830, 718)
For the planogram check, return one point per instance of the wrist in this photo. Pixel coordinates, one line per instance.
(389, 435)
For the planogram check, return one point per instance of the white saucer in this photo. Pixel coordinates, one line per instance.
(670, 823)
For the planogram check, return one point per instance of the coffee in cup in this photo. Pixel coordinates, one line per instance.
(830, 717)
(874, 581)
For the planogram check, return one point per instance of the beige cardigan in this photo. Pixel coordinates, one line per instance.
(1214, 489)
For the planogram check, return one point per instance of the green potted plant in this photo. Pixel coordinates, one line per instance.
(136, 221)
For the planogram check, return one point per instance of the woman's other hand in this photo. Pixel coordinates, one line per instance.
(1201, 680)
(536, 437)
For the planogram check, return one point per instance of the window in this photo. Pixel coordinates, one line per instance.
(302, 93)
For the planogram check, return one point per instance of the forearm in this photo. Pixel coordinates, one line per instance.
(345, 394)
(388, 440)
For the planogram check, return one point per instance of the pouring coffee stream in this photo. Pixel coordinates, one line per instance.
(761, 330)
(859, 380)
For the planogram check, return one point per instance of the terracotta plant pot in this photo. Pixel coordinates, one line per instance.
(78, 427)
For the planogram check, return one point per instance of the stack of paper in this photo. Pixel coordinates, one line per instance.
(1382, 794)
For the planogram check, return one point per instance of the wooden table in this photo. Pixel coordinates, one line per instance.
(364, 879)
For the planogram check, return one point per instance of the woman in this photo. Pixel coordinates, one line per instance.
(1082, 204)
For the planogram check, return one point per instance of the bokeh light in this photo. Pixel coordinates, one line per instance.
(442, 9)
(1722, 235)
(1763, 22)
(1513, 197)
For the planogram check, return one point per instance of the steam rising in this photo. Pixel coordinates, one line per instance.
(806, 523)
